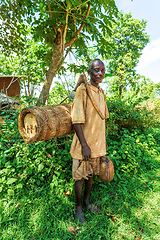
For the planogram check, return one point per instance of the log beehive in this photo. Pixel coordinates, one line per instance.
(45, 122)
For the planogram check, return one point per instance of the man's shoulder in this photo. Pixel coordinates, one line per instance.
(101, 90)
(81, 90)
(82, 87)
(80, 93)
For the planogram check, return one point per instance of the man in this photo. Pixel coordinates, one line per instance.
(89, 142)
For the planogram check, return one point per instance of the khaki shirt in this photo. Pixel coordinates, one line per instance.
(84, 113)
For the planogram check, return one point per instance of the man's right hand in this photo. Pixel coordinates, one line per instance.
(86, 152)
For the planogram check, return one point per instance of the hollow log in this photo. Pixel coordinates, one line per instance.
(45, 122)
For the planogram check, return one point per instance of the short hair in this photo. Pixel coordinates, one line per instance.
(91, 63)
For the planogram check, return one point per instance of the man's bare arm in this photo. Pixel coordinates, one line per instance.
(86, 151)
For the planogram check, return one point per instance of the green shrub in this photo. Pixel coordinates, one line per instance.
(33, 166)
(126, 113)
(131, 149)
(131, 137)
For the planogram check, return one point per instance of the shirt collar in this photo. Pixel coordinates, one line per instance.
(94, 88)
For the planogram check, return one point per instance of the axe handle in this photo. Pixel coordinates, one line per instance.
(80, 80)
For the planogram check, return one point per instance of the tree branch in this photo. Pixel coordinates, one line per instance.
(50, 11)
(24, 86)
(50, 14)
(79, 30)
(63, 39)
(63, 60)
(54, 27)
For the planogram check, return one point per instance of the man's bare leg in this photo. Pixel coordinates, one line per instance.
(78, 197)
(88, 187)
(78, 194)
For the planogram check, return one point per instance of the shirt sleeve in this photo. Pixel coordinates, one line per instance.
(106, 108)
(79, 106)
(106, 111)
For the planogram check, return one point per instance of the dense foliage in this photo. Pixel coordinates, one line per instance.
(128, 39)
(130, 137)
(56, 25)
(31, 165)
(37, 187)
(36, 182)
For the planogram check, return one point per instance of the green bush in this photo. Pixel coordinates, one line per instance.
(131, 137)
(33, 166)
(127, 113)
(131, 149)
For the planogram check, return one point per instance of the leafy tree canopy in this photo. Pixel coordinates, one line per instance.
(127, 41)
(158, 88)
(56, 24)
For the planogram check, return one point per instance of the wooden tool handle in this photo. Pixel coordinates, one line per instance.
(80, 81)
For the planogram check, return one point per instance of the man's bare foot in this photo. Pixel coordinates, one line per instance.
(91, 206)
(79, 215)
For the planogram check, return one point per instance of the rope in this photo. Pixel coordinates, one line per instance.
(91, 97)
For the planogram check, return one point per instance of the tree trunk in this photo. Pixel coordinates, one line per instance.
(121, 87)
(57, 57)
(51, 71)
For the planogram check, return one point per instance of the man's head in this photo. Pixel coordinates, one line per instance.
(96, 71)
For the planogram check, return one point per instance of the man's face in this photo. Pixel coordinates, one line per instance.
(97, 72)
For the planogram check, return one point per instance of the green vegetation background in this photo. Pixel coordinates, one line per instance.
(37, 188)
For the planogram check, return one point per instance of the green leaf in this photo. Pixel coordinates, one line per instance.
(10, 192)
(11, 180)
(52, 185)
(19, 185)
(40, 167)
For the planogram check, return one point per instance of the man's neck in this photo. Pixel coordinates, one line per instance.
(94, 84)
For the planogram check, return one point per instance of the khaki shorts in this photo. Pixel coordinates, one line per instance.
(85, 169)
